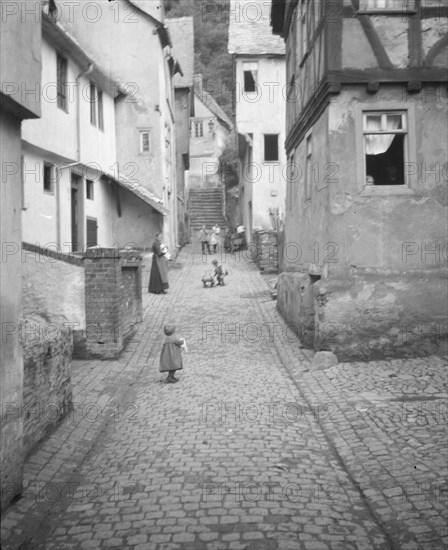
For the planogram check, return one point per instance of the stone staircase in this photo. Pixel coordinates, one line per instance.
(205, 206)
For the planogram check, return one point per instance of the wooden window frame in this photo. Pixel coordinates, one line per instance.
(142, 132)
(96, 106)
(410, 149)
(198, 128)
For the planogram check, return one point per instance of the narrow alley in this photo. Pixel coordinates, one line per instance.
(249, 451)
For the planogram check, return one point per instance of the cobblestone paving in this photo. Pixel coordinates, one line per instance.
(249, 451)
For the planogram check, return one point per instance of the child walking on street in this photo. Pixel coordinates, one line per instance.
(171, 354)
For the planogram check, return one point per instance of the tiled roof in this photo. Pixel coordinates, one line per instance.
(211, 104)
(142, 192)
(250, 31)
(182, 36)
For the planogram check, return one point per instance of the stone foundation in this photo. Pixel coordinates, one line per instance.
(368, 315)
(295, 302)
(265, 250)
(12, 454)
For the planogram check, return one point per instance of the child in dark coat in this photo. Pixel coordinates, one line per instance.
(171, 355)
(220, 272)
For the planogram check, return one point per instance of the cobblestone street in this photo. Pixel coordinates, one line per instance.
(249, 451)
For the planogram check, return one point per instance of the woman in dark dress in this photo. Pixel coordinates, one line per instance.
(158, 279)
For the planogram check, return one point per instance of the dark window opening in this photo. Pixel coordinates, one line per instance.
(48, 178)
(271, 147)
(89, 189)
(61, 82)
(100, 110)
(93, 103)
(250, 81)
(387, 168)
(96, 106)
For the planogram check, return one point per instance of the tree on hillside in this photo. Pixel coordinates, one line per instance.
(211, 27)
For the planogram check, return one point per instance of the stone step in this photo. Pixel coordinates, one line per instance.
(205, 207)
(205, 199)
(210, 202)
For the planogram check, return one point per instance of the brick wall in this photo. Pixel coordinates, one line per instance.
(97, 295)
(47, 391)
(113, 300)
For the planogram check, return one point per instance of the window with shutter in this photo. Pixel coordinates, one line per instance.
(92, 232)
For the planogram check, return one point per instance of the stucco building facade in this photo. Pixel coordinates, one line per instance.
(210, 129)
(366, 140)
(145, 133)
(260, 80)
(73, 196)
(20, 68)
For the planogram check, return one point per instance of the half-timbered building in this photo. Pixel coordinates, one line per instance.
(366, 140)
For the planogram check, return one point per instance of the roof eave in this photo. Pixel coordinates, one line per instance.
(55, 33)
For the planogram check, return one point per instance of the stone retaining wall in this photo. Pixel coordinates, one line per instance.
(295, 302)
(265, 251)
(54, 282)
(47, 390)
(367, 315)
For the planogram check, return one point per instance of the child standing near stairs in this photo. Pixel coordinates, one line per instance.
(204, 237)
(214, 238)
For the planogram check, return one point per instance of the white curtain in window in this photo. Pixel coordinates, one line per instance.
(376, 144)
